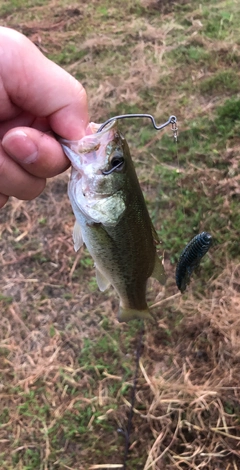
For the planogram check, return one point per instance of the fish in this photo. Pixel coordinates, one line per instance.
(112, 219)
(190, 258)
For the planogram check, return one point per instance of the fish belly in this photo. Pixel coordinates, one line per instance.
(125, 258)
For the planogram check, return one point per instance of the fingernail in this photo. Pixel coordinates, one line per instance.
(20, 147)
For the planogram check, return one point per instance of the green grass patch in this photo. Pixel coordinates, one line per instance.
(218, 22)
(29, 458)
(228, 114)
(225, 81)
(190, 55)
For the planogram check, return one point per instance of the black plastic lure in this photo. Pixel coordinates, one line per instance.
(190, 258)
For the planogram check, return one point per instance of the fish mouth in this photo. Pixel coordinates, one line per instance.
(87, 149)
(92, 128)
(91, 131)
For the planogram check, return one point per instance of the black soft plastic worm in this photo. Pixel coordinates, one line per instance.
(190, 258)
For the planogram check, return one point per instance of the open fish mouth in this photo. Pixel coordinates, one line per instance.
(91, 149)
(85, 145)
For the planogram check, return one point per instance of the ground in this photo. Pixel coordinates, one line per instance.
(67, 365)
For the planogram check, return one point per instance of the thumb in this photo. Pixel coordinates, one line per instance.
(38, 153)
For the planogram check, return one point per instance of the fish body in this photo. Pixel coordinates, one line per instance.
(190, 258)
(112, 218)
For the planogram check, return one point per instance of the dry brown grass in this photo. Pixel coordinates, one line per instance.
(190, 403)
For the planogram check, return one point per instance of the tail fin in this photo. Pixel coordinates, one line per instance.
(127, 314)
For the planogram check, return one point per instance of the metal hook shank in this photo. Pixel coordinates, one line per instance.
(171, 120)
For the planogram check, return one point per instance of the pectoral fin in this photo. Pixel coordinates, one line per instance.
(77, 236)
(102, 281)
(158, 271)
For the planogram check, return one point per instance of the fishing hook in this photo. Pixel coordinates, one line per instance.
(172, 120)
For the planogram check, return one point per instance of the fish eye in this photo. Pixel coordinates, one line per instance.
(116, 163)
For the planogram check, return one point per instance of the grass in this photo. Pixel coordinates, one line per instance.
(67, 365)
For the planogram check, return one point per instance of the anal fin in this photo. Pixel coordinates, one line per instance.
(159, 271)
(102, 281)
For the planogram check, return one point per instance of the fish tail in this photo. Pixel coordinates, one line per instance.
(126, 314)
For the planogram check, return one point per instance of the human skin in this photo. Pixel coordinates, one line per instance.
(36, 97)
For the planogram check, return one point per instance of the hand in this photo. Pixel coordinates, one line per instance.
(36, 96)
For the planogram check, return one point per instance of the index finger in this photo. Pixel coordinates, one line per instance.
(36, 84)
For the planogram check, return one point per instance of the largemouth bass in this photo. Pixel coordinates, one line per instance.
(112, 218)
